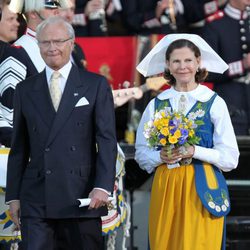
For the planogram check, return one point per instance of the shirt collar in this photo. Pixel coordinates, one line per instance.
(30, 33)
(235, 13)
(64, 71)
(201, 93)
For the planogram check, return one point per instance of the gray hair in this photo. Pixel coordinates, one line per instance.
(55, 20)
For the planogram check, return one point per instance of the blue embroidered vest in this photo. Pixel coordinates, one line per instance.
(215, 200)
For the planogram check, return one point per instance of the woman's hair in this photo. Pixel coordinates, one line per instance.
(200, 75)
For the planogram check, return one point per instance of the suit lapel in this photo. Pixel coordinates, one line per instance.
(73, 90)
(41, 99)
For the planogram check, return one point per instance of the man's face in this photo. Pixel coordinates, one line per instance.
(68, 14)
(240, 4)
(8, 25)
(55, 45)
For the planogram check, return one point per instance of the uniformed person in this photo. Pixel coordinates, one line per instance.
(23, 60)
(90, 19)
(145, 17)
(228, 33)
(196, 12)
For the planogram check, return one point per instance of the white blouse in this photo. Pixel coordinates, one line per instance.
(225, 152)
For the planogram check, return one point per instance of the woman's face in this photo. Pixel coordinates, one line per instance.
(183, 66)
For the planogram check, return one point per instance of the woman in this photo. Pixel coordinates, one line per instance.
(178, 218)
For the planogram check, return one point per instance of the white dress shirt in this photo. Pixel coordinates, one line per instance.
(64, 71)
(225, 152)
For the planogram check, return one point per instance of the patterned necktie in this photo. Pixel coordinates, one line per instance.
(182, 104)
(55, 90)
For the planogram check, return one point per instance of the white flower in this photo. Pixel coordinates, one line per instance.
(167, 110)
(224, 208)
(217, 208)
(158, 115)
(192, 116)
(146, 134)
(200, 113)
(211, 204)
(194, 125)
(226, 202)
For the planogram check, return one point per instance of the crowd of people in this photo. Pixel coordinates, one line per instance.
(24, 54)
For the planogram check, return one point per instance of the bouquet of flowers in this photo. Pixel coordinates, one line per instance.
(172, 129)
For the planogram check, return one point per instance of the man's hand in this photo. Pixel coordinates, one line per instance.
(93, 6)
(160, 8)
(98, 197)
(14, 208)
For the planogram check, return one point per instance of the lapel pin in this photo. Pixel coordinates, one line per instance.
(76, 94)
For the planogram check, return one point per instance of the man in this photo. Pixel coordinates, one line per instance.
(8, 24)
(234, 47)
(61, 153)
(146, 17)
(8, 33)
(78, 56)
(196, 12)
(22, 61)
(90, 18)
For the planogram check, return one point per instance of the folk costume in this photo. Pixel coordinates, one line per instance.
(189, 203)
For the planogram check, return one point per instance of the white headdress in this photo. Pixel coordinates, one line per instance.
(155, 63)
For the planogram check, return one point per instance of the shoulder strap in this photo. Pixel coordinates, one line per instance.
(210, 101)
(160, 104)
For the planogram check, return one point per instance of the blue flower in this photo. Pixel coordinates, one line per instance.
(182, 140)
(184, 132)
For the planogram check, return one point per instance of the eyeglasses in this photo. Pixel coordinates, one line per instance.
(57, 43)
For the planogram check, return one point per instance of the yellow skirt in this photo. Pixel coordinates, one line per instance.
(177, 218)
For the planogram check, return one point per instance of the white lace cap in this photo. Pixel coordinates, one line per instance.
(154, 63)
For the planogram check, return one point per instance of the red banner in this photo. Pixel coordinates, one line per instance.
(113, 57)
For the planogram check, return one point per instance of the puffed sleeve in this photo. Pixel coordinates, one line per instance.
(147, 158)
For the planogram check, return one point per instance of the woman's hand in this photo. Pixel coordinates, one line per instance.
(189, 152)
(174, 155)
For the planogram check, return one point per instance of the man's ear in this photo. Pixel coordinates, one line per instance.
(32, 14)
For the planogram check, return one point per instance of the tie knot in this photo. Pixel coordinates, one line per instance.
(55, 75)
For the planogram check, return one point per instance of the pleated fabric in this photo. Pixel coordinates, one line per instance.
(177, 218)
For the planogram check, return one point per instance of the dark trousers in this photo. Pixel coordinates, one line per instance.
(61, 234)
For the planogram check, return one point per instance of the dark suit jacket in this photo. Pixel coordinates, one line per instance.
(54, 159)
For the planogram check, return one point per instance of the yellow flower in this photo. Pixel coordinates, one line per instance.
(172, 139)
(177, 133)
(164, 131)
(177, 115)
(165, 122)
(189, 123)
(163, 141)
(156, 122)
(191, 133)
